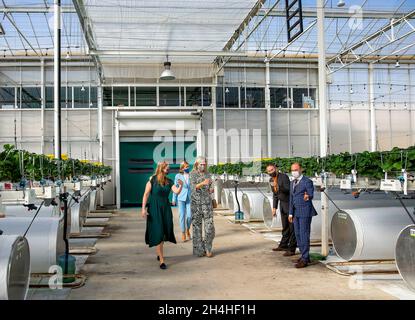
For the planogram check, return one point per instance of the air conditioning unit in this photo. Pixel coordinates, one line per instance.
(6, 186)
(26, 197)
(345, 184)
(78, 186)
(391, 185)
(50, 193)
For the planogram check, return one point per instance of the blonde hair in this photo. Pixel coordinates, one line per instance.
(159, 174)
(182, 165)
(197, 161)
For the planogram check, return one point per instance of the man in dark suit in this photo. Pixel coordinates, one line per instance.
(301, 212)
(280, 185)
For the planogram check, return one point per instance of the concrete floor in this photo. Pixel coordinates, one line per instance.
(244, 267)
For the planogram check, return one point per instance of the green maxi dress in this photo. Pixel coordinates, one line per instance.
(160, 217)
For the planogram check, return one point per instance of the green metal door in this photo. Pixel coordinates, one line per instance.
(137, 165)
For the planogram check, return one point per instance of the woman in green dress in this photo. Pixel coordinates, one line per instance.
(159, 215)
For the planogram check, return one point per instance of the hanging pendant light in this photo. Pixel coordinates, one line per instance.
(83, 88)
(341, 3)
(167, 74)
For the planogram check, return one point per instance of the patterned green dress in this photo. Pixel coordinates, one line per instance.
(160, 217)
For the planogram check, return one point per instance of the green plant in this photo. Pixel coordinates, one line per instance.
(368, 164)
(20, 164)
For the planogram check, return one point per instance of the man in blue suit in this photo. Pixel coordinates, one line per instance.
(301, 212)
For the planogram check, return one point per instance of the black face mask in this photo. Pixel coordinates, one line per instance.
(274, 174)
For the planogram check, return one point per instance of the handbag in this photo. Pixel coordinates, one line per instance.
(214, 203)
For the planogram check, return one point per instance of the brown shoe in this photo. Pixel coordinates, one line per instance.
(209, 254)
(183, 236)
(301, 264)
(279, 249)
(188, 234)
(289, 253)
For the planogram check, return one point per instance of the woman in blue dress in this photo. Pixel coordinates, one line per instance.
(183, 200)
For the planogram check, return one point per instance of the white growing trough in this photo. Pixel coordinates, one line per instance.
(79, 212)
(368, 234)
(269, 220)
(45, 238)
(405, 255)
(14, 267)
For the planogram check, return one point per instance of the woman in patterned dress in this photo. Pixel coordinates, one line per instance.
(201, 207)
(159, 215)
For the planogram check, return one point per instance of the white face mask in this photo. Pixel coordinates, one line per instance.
(295, 174)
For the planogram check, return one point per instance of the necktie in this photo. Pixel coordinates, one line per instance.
(295, 183)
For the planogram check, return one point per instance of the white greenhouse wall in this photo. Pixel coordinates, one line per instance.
(294, 132)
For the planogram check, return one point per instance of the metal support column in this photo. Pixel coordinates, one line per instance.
(411, 121)
(214, 116)
(322, 87)
(199, 139)
(57, 121)
(268, 106)
(57, 79)
(373, 137)
(100, 137)
(117, 162)
(42, 112)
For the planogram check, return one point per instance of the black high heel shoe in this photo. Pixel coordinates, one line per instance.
(158, 258)
(163, 266)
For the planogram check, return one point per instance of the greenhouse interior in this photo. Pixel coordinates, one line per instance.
(272, 145)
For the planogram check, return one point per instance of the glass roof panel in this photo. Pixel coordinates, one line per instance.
(120, 26)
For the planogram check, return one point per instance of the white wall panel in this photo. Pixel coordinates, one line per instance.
(294, 132)
(383, 129)
(339, 131)
(360, 126)
(401, 128)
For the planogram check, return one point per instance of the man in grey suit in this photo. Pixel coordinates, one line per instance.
(301, 212)
(280, 185)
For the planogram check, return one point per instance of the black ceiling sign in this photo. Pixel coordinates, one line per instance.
(294, 15)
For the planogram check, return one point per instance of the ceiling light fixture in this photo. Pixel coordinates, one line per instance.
(341, 4)
(397, 64)
(167, 74)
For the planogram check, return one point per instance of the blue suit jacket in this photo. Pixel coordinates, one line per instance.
(299, 207)
(185, 193)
